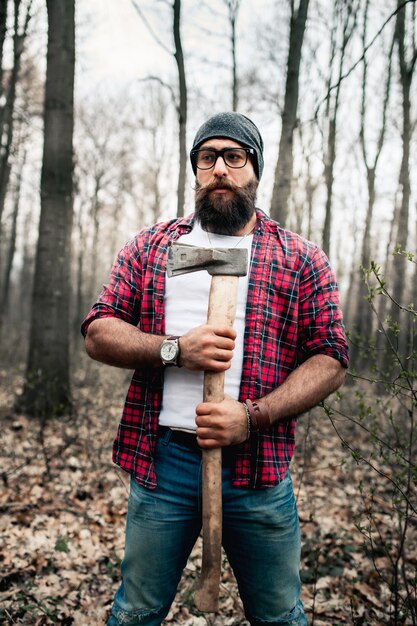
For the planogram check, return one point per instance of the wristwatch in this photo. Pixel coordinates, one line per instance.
(170, 351)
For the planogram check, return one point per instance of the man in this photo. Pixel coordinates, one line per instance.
(286, 353)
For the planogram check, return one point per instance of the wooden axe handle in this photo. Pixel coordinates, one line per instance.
(221, 311)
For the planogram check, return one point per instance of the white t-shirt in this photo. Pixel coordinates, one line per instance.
(186, 301)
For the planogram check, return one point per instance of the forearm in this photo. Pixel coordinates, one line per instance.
(112, 341)
(305, 387)
(115, 342)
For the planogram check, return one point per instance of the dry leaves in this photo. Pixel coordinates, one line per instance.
(63, 510)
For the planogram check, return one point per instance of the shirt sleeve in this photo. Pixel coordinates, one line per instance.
(121, 297)
(321, 329)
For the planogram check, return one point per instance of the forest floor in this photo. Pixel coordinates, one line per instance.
(63, 507)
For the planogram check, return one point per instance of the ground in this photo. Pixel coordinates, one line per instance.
(63, 508)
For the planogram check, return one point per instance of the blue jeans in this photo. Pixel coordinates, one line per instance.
(261, 538)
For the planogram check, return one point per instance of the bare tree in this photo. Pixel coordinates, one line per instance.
(344, 18)
(182, 102)
(362, 315)
(5, 285)
(9, 91)
(284, 168)
(233, 11)
(3, 31)
(103, 138)
(47, 385)
(407, 57)
(25, 134)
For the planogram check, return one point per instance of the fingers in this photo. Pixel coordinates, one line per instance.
(221, 423)
(225, 331)
(208, 348)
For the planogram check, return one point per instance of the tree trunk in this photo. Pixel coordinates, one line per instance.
(95, 216)
(349, 24)
(79, 308)
(182, 109)
(4, 299)
(47, 387)
(3, 31)
(6, 120)
(233, 9)
(330, 159)
(399, 265)
(284, 168)
(362, 321)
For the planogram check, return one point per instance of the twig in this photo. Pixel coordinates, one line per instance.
(365, 50)
(163, 84)
(379, 472)
(150, 29)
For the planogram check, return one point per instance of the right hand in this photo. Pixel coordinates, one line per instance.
(208, 348)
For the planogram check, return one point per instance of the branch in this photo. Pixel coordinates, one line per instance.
(383, 443)
(373, 467)
(370, 44)
(163, 84)
(150, 29)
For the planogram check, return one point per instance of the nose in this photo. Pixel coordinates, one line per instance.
(220, 167)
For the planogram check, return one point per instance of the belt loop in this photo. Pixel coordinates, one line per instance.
(164, 434)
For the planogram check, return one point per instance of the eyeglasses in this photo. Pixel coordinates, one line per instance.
(206, 158)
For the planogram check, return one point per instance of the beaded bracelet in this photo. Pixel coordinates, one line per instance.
(248, 419)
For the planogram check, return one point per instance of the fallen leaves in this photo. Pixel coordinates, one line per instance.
(63, 509)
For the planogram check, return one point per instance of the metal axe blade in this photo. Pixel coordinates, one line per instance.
(183, 258)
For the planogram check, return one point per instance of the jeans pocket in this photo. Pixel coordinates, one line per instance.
(141, 502)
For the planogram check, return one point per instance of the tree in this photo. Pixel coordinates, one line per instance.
(182, 109)
(362, 314)
(182, 102)
(233, 10)
(9, 91)
(284, 168)
(406, 72)
(345, 17)
(47, 385)
(108, 143)
(5, 285)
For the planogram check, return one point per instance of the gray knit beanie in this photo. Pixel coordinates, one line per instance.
(232, 126)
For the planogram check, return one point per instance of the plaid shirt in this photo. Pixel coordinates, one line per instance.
(292, 313)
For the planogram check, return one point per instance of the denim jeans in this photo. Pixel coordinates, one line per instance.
(260, 537)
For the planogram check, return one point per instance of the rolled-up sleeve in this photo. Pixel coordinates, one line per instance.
(320, 320)
(121, 297)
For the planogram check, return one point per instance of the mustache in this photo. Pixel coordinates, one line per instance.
(216, 184)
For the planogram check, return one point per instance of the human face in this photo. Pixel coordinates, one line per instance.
(225, 197)
(239, 177)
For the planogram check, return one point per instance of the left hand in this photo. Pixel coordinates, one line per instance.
(221, 424)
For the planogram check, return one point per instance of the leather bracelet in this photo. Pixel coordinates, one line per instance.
(259, 415)
(248, 419)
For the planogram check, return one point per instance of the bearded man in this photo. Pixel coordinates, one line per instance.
(287, 352)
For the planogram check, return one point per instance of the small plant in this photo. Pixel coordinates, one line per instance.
(381, 412)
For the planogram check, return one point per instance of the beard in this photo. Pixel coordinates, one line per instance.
(225, 215)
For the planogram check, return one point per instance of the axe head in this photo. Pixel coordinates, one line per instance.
(183, 259)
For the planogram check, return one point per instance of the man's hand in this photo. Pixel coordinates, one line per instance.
(207, 348)
(221, 424)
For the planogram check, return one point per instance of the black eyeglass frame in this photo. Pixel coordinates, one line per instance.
(217, 153)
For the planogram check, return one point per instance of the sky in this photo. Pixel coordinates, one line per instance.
(111, 37)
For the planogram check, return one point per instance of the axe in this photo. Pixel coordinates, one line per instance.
(225, 265)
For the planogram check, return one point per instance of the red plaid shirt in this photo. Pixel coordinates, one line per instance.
(292, 313)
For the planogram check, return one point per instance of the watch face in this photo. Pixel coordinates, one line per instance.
(169, 351)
